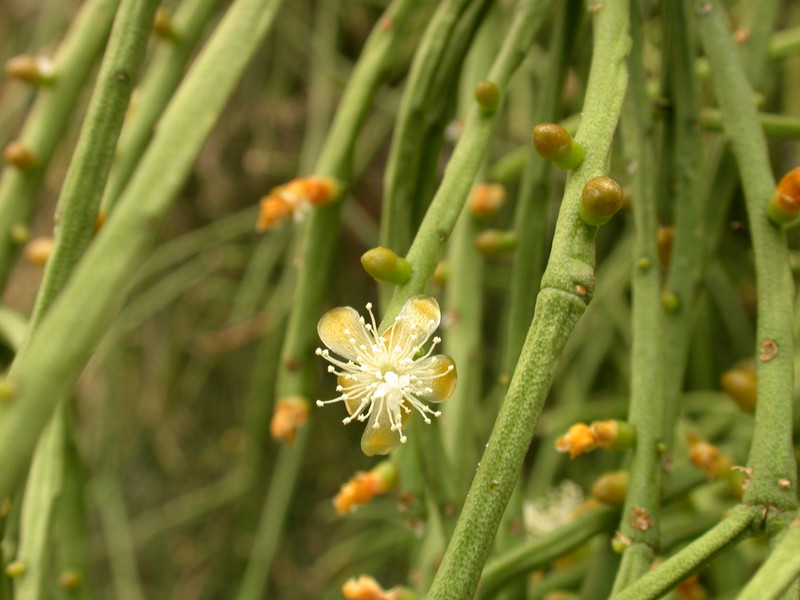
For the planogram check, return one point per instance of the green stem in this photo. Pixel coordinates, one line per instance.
(689, 560)
(437, 226)
(48, 120)
(779, 571)
(168, 66)
(270, 526)
(567, 286)
(771, 454)
(543, 550)
(48, 367)
(641, 513)
(781, 127)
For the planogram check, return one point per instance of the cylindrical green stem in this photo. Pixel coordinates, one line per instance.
(641, 513)
(677, 568)
(166, 71)
(48, 120)
(771, 454)
(567, 286)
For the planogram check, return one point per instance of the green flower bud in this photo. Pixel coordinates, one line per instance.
(496, 242)
(384, 265)
(554, 143)
(600, 200)
(19, 155)
(16, 569)
(36, 70)
(611, 487)
(671, 302)
(614, 435)
(488, 96)
(740, 384)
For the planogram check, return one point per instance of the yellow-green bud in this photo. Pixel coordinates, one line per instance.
(162, 24)
(8, 389)
(16, 569)
(488, 96)
(554, 143)
(19, 155)
(740, 384)
(384, 265)
(611, 487)
(620, 543)
(37, 70)
(614, 435)
(386, 472)
(70, 579)
(20, 233)
(496, 242)
(600, 200)
(671, 302)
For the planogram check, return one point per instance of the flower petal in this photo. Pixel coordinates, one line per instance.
(381, 439)
(342, 330)
(438, 373)
(418, 319)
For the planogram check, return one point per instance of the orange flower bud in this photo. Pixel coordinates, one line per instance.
(363, 487)
(38, 250)
(273, 210)
(784, 207)
(366, 588)
(709, 458)
(614, 435)
(314, 190)
(291, 412)
(578, 440)
(486, 199)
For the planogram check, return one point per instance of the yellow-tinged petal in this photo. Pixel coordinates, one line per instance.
(342, 330)
(381, 439)
(418, 319)
(445, 378)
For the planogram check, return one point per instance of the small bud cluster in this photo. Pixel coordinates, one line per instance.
(291, 413)
(610, 435)
(363, 487)
(295, 198)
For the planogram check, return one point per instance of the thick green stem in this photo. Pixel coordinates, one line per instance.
(771, 454)
(567, 286)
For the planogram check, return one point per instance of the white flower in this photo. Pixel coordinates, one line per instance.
(543, 515)
(380, 379)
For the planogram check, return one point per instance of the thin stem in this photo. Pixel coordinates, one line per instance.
(437, 226)
(641, 514)
(678, 567)
(567, 286)
(49, 118)
(48, 367)
(779, 570)
(771, 454)
(543, 550)
(168, 66)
